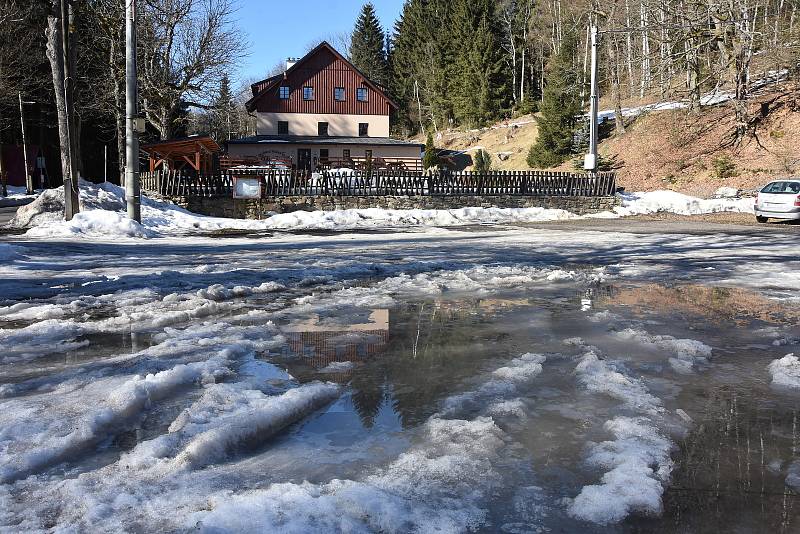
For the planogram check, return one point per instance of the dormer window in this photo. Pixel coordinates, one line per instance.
(361, 94)
(308, 93)
(338, 94)
(283, 92)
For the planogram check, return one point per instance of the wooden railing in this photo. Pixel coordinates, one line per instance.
(386, 183)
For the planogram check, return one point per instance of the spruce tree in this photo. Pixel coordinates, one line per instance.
(483, 161)
(223, 115)
(367, 46)
(430, 158)
(479, 87)
(560, 110)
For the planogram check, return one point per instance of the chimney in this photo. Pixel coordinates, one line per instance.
(290, 61)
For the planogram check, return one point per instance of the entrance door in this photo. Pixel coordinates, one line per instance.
(304, 159)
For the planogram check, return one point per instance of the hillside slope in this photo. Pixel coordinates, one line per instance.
(671, 149)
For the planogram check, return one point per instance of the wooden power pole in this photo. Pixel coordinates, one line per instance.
(71, 206)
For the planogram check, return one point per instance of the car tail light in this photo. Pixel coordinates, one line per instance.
(797, 201)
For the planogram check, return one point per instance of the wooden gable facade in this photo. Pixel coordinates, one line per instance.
(323, 69)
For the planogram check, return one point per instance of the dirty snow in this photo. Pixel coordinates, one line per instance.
(103, 215)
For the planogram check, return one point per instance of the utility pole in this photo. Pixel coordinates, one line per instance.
(590, 161)
(105, 162)
(71, 206)
(132, 190)
(26, 163)
(3, 177)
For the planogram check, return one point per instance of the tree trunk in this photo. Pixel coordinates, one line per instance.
(53, 34)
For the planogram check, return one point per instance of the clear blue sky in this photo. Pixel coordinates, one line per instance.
(277, 29)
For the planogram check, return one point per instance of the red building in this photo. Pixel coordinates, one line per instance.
(322, 111)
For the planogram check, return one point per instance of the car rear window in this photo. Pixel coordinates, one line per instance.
(791, 188)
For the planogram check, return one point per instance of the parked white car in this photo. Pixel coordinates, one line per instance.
(778, 200)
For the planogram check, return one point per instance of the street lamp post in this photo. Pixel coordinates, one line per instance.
(28, 175)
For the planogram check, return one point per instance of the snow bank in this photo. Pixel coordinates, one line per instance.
(103, 215)
(687, 353)
(786, 371)
(638, 463)
(673, 202)
(101, 223)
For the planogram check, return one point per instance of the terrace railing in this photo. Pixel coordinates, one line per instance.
(278, 183)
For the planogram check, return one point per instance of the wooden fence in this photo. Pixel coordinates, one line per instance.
(387, 183)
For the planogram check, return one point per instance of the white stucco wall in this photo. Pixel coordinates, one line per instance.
(338, 124)
(289, 151)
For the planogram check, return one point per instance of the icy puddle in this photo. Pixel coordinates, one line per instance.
(495, 399)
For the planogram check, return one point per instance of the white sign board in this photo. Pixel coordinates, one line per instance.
(247, 186)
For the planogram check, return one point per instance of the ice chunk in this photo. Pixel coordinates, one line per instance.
(259, 419)
(687, 352)
(337, 367)
(786, 371)
(600, 376)
(638, 463)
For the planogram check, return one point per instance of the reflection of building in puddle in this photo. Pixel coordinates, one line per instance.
(326, 340)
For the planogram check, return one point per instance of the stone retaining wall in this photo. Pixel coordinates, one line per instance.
(259, 209)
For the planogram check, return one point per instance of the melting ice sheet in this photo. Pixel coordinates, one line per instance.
(305, 392)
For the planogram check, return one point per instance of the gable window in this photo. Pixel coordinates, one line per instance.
(361, 94)
(308, 93)
(283, 127)
(363, 129)
(283, 92)
(338, 94)
(322, 128)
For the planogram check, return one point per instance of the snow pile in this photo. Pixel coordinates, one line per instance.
(229, 415)
(103, 209)
(103, 215)
(38, 435)
(503, 382)
(672, 202)
(687, 352)
(786, 371)
(93, 223)
(481, 280)
(436, 486)
(638, 463)
(601, 376)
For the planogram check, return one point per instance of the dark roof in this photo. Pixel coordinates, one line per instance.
(182, 146)
(317, 140)
(269, 83)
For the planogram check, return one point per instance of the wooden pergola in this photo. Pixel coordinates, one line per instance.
(196, 152)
